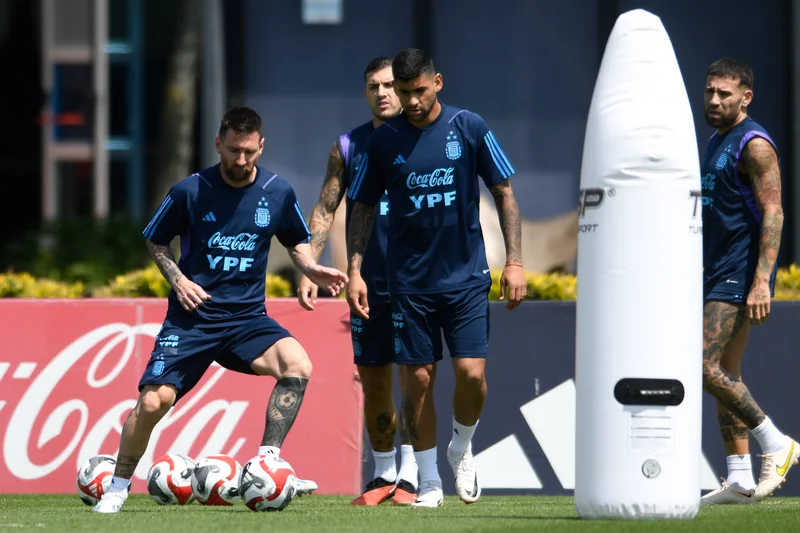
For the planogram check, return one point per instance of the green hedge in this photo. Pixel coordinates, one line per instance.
(148, 282)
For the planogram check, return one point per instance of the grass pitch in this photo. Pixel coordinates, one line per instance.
(329, 513)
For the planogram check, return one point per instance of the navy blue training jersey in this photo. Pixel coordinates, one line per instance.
(373, 268)
(225, 235)
(731, 219)
(431, 176)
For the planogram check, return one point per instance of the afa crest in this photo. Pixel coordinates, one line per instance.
(262, 214)
(453, 146)
(158, 368)
(722, 161)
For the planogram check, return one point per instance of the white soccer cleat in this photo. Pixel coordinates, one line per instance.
(430, 495)
(463, 465)
(304, 486)
(774, 467)
(111, 502)
(727, 495)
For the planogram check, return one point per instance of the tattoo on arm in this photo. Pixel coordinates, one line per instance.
(165, 261)
(722, 322)
(510, 222)
(329, 199)
(126, 464)
(760, 162)
(360, 229)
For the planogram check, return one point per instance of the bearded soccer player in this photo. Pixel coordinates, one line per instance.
(373, 346)
(428, 160)
(742, 224)
(226, 216)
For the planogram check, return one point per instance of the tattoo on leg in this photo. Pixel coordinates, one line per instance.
(721, 323)
(126, 464)
(409, 418)
(732, 428)
(284, 404)
(405, 438)
(383, 431)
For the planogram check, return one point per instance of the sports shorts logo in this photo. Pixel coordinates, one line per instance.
(158, 368)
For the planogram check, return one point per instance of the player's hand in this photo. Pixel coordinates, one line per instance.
(513, 286)
(357, 296)
(307, 293)
(758, 301)
(190, 294)
(331, 279)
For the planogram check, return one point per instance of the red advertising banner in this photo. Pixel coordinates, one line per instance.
(69, 371)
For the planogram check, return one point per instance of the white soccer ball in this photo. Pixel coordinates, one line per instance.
(215, 480)
(267, 483)
(169, 480)
(94, 477)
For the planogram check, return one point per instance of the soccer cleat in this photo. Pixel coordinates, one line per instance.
(430, 495)
(404, 493)
(727, 495)
(463, 465)
(774, 467)
(378, 491)
(111, 502)
(304, 486)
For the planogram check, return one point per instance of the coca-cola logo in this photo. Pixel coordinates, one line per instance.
(113, 345)
(440, 176)
(243, 242)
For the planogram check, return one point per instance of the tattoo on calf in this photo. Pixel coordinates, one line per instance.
(732, 428)
(126, 464)
(409, 418)
(284, 404)
(722, 322)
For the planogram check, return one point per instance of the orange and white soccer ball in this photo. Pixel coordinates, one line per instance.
(94, 477)
(267, 483)
(169, 480)
(215, 480)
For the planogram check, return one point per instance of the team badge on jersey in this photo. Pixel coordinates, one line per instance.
(453, 147)
(722, 161)
(262, 214)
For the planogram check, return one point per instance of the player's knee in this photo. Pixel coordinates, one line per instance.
(471, 375)
(296, 364)
(419, 378)
(710, 371)
(155, 402)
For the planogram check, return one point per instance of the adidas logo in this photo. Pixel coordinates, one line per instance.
(209, 217)
(551, 419)
(399, 160)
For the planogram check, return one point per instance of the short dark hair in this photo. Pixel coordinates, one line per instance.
(379, 63)
(411, 63)
(731, 68)
(242, 120)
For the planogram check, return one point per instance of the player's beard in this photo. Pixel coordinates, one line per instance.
(723, 121)
(237, 173)
(424, 112)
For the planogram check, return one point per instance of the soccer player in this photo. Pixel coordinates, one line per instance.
(373, 347)
(226, 216)
(428, 160)
(742, 223)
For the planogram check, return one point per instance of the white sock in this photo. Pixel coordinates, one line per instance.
(462, 437)
(769, 437)
(740, 472)
(427, 464)
(408, 465)
(384, 465)
(118, 483)
(264, 450)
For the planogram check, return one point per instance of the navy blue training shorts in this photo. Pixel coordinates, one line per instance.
(182, 354)
(419, 320)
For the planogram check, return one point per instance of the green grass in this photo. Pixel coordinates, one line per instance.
(326, 513)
